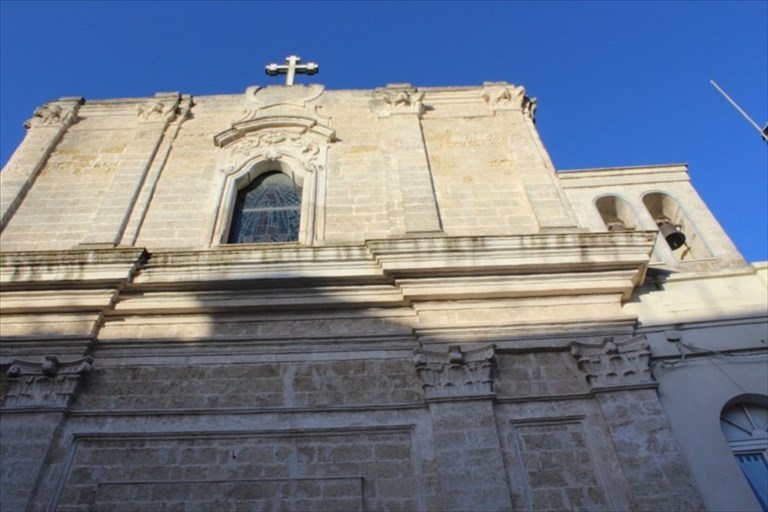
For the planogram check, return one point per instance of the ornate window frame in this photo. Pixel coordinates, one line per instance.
(295, 146)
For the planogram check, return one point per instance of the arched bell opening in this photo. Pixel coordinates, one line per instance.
(616, 213)
(676, 228)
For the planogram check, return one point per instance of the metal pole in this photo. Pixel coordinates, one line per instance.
(746, 116)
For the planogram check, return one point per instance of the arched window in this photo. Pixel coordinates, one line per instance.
(267, 210)
(745, 425)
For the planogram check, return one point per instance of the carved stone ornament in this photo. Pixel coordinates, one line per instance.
(50, 383)
(529, 107)
(613, 363)
(55, 114)
(456, 373)
(279, 100)
(272, 145)
(298, 95)
(504, 96)
(156, 110)
(397, 99)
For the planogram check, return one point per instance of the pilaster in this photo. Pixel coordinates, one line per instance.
(458, 386)
(515, 113)
(35, 407)
(45, 129)
(139, 211)
(153, 118)
(399, 108)
(618, 374)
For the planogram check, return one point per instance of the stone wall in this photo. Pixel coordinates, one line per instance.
(396, 160)
(455, 328)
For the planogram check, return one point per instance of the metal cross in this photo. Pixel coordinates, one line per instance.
(291, 67)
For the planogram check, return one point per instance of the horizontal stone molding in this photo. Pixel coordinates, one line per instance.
(86, 267)
(282, 277)
(57, 301)
(404, 258)
(245, 411)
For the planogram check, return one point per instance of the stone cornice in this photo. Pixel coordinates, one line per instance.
(380, 273)
(524, 254)
(85, 268)
(409, 258)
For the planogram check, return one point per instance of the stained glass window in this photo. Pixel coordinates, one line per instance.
(267, 210)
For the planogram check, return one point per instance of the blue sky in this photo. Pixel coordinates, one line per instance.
(618, 83)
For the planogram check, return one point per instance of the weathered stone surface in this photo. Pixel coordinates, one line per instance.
(554, 331)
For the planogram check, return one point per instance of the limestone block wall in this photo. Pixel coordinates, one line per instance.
(341, 378)
(164, 428)
(455, 329)
(58, 210)
(155, 172)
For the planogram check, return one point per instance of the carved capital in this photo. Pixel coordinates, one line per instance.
(504, 96)
(158, 109)
(614, 363)
(56, 114)
(397, 99)
(456, 373)
(49, 383)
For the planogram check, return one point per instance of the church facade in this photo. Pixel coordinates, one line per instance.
(304, 299)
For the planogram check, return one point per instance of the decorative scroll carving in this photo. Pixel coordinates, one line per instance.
(280, 100)
(272, 96)
(50, 383)
(504, 96)
(156, 110)
(614, 363)
(501, 95)
(398, 99)
(271, 143)
(456, 373)
(55, 114)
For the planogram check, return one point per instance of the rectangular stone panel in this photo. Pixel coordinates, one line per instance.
(559, 469)
(317, 494)
(357, 469)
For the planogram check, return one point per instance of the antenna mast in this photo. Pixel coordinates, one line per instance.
(763, 131)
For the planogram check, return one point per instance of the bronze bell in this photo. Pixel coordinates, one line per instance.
(672, 235)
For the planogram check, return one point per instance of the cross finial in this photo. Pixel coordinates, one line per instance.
(291, 67)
